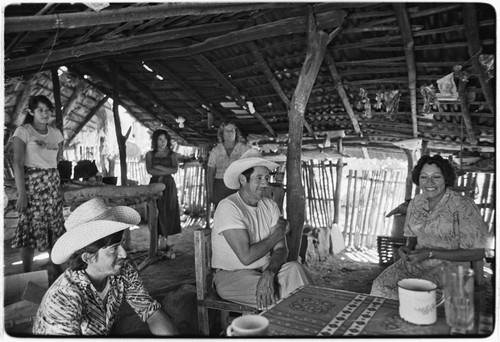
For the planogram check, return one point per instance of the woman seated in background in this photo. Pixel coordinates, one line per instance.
(228, 150)
(441, 227)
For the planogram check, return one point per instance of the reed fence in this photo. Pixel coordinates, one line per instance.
(366, 196)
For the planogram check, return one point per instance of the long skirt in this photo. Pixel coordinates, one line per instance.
(42, 223)
(169, 217)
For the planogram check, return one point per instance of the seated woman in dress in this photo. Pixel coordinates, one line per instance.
(441, 227)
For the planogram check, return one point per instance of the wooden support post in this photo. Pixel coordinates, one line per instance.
(409, 184)
(406, 35)
(471, 31)
(338, 189)
(122, 148)
(316, 47)
(56, 88)
(466, 117)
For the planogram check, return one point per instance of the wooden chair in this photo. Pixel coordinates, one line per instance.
(207, 297)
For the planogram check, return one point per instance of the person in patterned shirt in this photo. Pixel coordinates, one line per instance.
(86, 298)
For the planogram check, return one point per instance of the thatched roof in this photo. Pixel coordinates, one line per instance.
(213, 62)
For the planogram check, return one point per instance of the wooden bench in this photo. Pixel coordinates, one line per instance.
(207, 297)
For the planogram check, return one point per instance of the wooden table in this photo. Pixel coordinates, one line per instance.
(319, 311)
(116, 195)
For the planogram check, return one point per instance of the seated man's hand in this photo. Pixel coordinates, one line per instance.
(266, 292)
(282, 226)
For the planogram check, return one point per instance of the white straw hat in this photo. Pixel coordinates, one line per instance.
(249, 159)
(90, 222)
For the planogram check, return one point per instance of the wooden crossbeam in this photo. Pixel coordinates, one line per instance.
(235, 93)
(187, 88)
(337, 81)
(110, 47)
(133, 82)
(82, 69)
(277, 28)
(406, 35)
(90, 19)
(266, 70)
(87, 118)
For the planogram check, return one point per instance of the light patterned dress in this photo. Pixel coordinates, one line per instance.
(454, 223)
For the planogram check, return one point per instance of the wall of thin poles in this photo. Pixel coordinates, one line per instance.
(366, 196)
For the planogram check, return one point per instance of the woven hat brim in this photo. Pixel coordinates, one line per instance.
(237, 167)
(120, 213)
(83, 235)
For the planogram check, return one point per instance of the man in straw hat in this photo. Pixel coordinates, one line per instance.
(249, 249)
(86, 298)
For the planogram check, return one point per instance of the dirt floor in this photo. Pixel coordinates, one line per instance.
(352, 270)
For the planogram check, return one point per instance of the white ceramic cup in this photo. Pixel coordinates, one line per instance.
(417, 301)
(248, 325)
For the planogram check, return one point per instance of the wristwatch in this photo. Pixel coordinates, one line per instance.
(431, 255)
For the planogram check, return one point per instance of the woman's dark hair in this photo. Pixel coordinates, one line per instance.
(33, 104)
(156, 135)
(220, 132)
(76, 262)
(443, 164)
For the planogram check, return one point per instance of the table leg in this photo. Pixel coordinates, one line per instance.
(153, 227)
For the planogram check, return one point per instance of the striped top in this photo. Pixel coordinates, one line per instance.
(72, 305)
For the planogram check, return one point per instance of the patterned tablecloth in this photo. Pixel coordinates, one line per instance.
(319, 311)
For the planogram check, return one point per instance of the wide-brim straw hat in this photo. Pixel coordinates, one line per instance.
(90, 222)
(249, 159)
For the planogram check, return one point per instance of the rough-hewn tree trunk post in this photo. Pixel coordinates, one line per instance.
(56, 88)
(122, 148)
(316, 47)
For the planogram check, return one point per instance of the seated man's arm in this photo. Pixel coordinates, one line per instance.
(148, 309)
(266, 289)
(247, 252)
(161, 325)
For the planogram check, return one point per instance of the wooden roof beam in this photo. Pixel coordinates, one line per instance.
(109, 47)
(21, 36)
(106, 17)
(235, 94)
(266, 70)
(82, 69)
(406, 35)
(337, 81)
(474, 49)
(287, 26)
(194, 94)
(88, 117)
(133, 82)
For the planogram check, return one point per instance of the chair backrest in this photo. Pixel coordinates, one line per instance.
(203, 262)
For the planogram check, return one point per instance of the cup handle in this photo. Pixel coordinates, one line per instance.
(229, 331)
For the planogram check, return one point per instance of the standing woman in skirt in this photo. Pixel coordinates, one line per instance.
(37, 149)
(161, 164)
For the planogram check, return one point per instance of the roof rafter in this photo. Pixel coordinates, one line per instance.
(90, 19)
(235, 93)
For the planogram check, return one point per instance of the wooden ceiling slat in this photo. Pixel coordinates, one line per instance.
(106, 17)
(211, 69)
